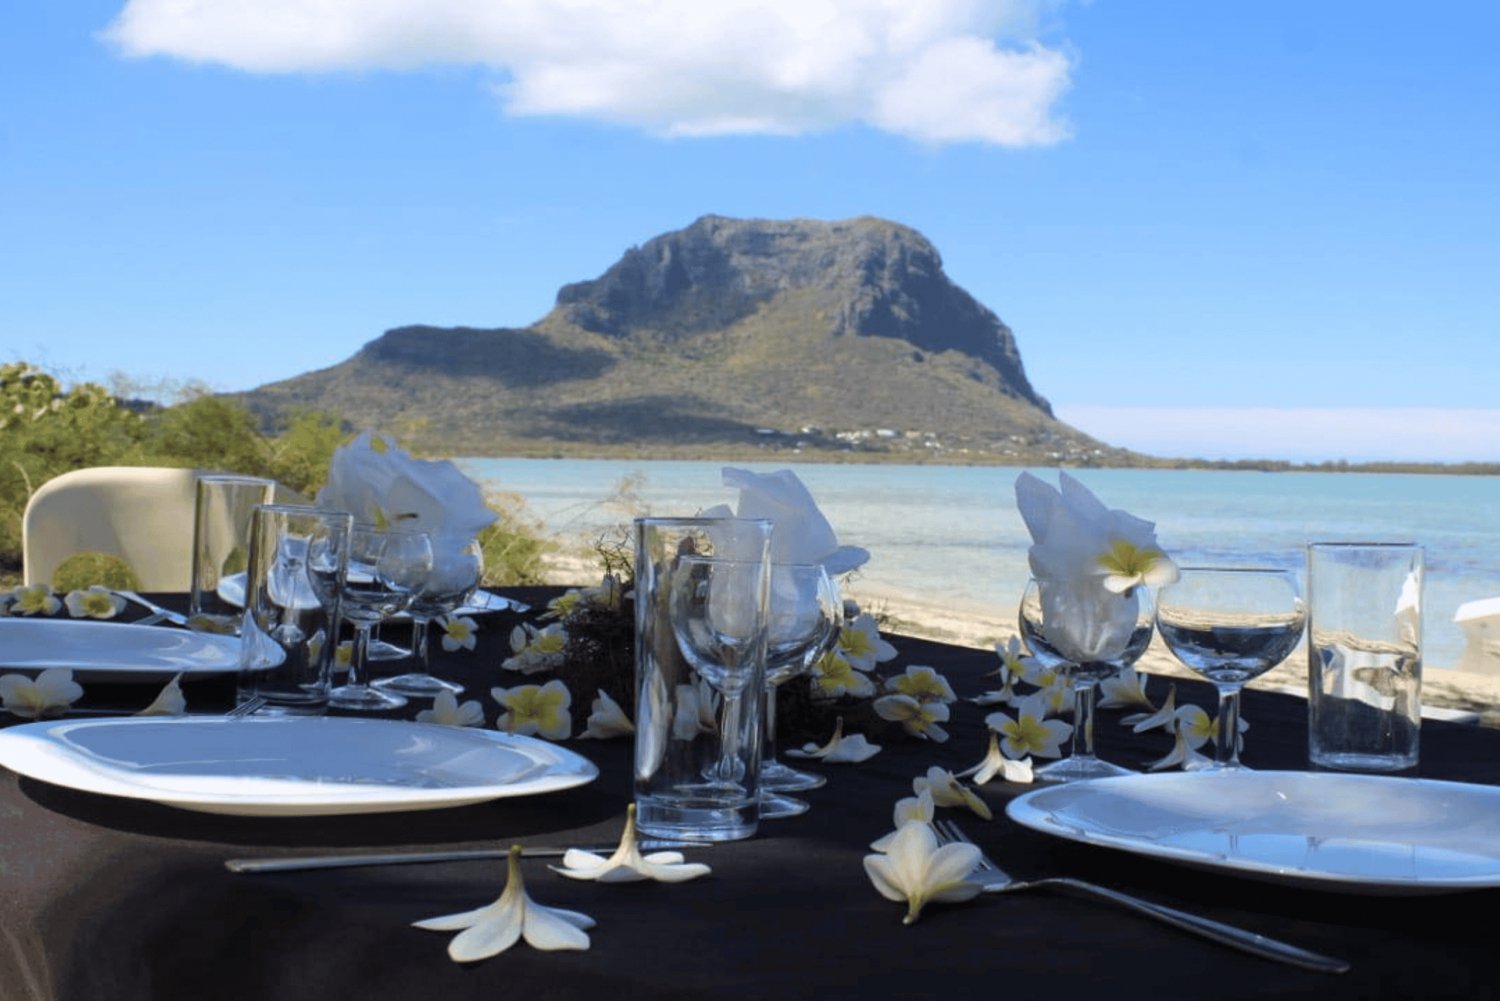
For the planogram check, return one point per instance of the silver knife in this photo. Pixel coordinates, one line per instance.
(406, 858)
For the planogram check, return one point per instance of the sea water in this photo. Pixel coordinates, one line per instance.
(951, 535)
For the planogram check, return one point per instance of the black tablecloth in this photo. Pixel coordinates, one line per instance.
(102, 898)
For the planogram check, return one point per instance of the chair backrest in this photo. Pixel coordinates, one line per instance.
(141, 514)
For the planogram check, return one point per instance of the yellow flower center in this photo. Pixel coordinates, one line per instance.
(1028, 733)
(1125, 559)
(532, 704)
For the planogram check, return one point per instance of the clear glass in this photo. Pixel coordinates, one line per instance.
(386, 568)
(700, 645)
(457, 571)
(1084, 675)
(1364, 655)
(1231, 624)
(289, 635)
(806, 614)
(222, 509)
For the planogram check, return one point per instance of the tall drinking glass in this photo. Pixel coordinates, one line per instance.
(457, 569)
(806, 614)
(1231, 624)
(222, 509)
(385, 568)
(289, 635)
(1084, 673)
(701, 595)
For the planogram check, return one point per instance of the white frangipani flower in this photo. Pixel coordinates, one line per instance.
(918, 718)
(833, 675)
(34, 599)
(697, 705)
(168, 702)
(1165, 717)
(1183, 753)
(458, 632)
(97, 602)
(50, 694)
(447, 711)
(1088, 560)
(535, 709)
(536, 650)
(1013, 659)
(607, 719)
(922, 683)
(627, 864)
(860, 644)
(916, 870)
(994, 763)
(839, 749)
(1029, 732)
(947, 790)
(492, 929)
(1125, 689)
(912, 809)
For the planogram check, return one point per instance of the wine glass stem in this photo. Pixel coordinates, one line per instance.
(359, 654)
(729, 744)
(768, 748)
(419, 624)
(1083, 717)
(1227, 737)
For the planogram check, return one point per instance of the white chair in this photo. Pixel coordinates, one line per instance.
(1480, 622)
(141, 514)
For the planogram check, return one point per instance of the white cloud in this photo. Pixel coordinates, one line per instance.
(933, 70)
(1404, 434)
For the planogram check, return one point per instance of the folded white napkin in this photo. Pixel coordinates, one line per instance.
(801, 533)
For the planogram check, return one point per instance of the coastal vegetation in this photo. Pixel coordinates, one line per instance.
(47, 429)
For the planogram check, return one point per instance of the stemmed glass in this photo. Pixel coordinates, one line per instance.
(1231, 624)
(455, 576)
(386, 568)
(806, 613)
(718, 610)
(1084, 673)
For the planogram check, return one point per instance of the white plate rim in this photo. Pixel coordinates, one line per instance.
(35, 750)
(1031, 810)
(99, 668)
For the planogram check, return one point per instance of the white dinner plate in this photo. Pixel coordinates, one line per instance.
(113, 651)
(231, 590)
(289, 766)
(1347, 833)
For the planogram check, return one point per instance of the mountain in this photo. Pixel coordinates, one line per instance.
(727, 338)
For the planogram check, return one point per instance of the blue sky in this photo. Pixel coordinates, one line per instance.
(1228, 229)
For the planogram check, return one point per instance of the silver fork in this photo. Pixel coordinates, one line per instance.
(158, 613)
(996, 880)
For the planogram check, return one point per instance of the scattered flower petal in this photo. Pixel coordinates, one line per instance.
(446, 711)
(536, 650)
(1029, 733)
(168, 702)
(1165, 717)
(994, 763)
(947, 790)
(695, 713)
(923, 684)
(535, 709)
(833, 676)
(627, 864)
(1125, 689)
(607, 719)
(919, 719)
(50, 694)
(916, 870)
(860, 644)
(98, 602)
(839, 749)
(36, 599)
(458, 632)
(919, 808)
(492, 929)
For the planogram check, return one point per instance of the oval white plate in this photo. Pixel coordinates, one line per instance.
(113, 651)
(287, 766)
(1348, 833)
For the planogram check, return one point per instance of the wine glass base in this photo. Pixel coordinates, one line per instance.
(381, 650)
(781, 778)
(774, 806)
(363, 698)
(422, 686)
(1079, 769)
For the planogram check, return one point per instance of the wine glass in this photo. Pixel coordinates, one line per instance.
(718, 611)
(1231, 624)
(1083, 671)
(386, 568)
(806, 613)
(457, 569)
